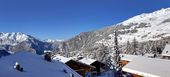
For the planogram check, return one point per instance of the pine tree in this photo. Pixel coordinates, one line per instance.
(116, 49)
(127, 47)
(47, 56)
(117, 57)
(134, 46)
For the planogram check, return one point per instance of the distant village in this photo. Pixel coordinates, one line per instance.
(117, 64)
(148, 65)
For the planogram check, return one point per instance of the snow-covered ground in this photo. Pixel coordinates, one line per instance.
(34, 66)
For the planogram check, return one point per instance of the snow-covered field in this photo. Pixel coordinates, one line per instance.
(34, 66)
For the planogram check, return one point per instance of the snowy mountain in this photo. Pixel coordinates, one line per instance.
(17, 41)
(33, 66)
(12, 38)
(144, 27)
(149, 30)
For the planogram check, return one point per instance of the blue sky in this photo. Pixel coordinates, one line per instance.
(63, 19)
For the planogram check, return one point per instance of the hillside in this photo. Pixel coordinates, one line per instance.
(151, 31)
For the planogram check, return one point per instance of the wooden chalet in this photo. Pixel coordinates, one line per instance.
(99, 66)
(79, 67)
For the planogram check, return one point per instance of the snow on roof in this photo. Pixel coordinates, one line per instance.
(62, 58)
(87, 61)
(148, 67)
(149, 55)
(45, 51)
(33, 66)
(128, 57)
(166, 51)
(65, 60)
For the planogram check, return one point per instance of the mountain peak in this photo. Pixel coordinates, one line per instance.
(148, 17)
(12, 38)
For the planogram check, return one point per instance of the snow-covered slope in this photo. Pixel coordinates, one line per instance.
(156, 16)
(34, 66)
(158, 23)
(144, 27)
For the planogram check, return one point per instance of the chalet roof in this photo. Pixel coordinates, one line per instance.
(66, 60)
(148, 67)
(34, 66)
(78, 62)
(166, 51)
(87, 61)
(128, 57)
(61, 58)
(149, 55)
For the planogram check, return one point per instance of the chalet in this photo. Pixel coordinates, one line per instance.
(166, 52)
(148, 67)
(99, 66)
(79, 67)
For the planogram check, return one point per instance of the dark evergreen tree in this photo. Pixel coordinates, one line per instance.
(47, 56)
(134, 46)
(117, 57)
(127, 47)
(117, 52)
